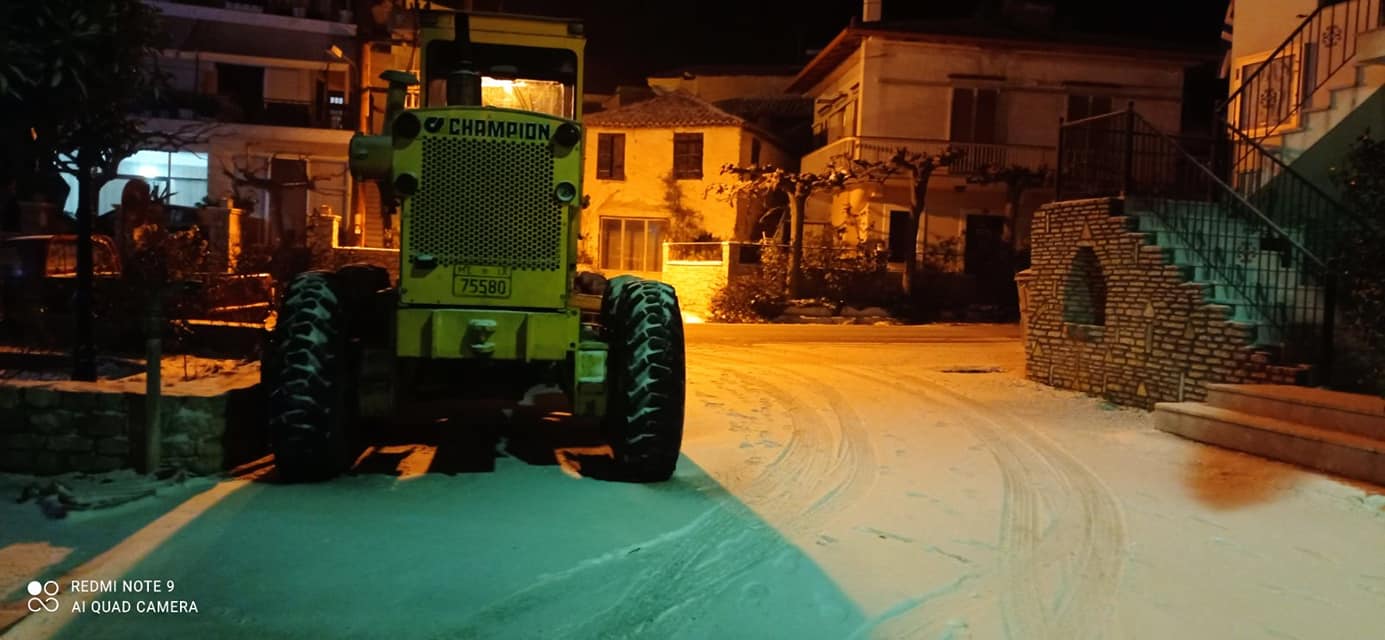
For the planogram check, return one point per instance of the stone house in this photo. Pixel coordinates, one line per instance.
(651, 173)
(994, 91)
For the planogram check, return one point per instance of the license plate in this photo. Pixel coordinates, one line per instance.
(481, 282)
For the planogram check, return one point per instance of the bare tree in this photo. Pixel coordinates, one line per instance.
(918, 168)
(763, 180)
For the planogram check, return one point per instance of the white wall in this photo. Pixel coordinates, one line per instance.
(913, 85)
(1261, 25)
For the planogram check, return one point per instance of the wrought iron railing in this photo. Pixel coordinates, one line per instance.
(1271, 97)
(1282, 194)
(1266, 255)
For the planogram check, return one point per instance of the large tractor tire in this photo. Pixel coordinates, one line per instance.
(646, 377)
(308, 379)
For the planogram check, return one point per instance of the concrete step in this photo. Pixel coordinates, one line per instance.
(1316, 122)
(1345, 454)
(1347, 412)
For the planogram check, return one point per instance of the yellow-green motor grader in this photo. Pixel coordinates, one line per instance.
(486, 173)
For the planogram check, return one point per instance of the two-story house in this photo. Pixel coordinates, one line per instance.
(651, 172)
(273, 104)
(996, 93)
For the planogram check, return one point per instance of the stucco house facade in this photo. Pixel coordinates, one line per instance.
(651, 174)
(996, 94)
(271, 108)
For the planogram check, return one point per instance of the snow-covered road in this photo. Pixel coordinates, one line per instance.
(838, 482)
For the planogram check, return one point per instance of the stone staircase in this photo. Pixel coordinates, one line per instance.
(1330, 431)
(1316, 122)
(1256, 285)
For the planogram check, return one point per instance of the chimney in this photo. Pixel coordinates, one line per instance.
(870, 11)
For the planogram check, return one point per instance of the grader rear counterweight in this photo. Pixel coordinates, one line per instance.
(486, 173)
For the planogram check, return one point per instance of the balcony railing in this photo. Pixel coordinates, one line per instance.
(975, 156)
(185, 105)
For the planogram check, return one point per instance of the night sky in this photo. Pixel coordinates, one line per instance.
(629, 39)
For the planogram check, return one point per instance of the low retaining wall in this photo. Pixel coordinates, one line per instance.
(326, 254)
(1103, 313)
(55, 427)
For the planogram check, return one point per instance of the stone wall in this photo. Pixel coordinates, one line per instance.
(56, 427)
(1154, 338)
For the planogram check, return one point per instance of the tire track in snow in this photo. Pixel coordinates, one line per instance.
(797, 492)
(834, 480)
(1019, 535)
(826, 461)
(1086, 539)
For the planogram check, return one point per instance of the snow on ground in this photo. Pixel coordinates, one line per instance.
(837, 482)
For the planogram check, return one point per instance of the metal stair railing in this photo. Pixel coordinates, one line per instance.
(1274, 266)
(1270, 99)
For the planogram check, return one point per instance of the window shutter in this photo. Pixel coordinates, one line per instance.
(603, 155)
(618, 156)
(987, 106)
(1077, 107)
(962, 103)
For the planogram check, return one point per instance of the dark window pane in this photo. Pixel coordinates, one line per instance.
(610, 243)
(1078, 107)
(986, 108)
(687, 155)
(618, 156)
(603, 155)
(654, 245)
(963, 101)
(1101, 105)
(633, 245)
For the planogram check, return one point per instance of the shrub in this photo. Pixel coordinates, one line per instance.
(749, 299)
(755, 297)
(1362, 268)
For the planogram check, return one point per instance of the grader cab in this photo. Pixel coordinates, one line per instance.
(487, 175)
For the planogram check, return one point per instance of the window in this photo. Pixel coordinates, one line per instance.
(842, 122)
(1267, 100)
(632, 244)
(755, 151)
(974, 115)
(182, 173)
(687, 156)
(1080, 106)
(610, 156)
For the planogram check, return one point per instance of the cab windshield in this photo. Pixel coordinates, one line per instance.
(525, 78)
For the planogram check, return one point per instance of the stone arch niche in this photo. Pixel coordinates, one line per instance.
(1084, 290)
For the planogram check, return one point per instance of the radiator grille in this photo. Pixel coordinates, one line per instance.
(487, 202)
